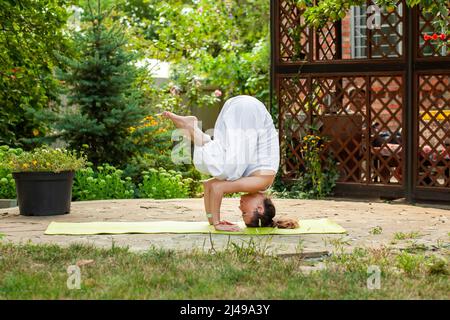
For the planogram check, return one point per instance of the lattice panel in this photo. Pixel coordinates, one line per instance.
(340, 113)
(293, 33)
(431, 47)
(325, 45)
(434, 131)
(387, 125)
(364, 140)
(294, 117)
(362, 111)
(295, 37)
(387, 41)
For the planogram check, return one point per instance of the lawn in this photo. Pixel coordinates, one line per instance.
(247, 271)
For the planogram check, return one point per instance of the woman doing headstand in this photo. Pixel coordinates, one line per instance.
(243, 156)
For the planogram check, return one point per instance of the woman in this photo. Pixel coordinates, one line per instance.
(243, 156)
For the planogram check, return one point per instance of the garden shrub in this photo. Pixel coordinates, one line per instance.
(136, 168)
(106, 182)
(7, 183)
(162, 184)
(410, 263)
(193, 177)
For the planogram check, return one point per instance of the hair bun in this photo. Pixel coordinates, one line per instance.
(286, 223)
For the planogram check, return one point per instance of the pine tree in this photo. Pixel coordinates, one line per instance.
(105, 102)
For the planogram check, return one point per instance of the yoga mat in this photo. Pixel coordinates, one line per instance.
(88, 228)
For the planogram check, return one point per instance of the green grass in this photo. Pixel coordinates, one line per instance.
(376, 230)
(240, 272)
(407, 235)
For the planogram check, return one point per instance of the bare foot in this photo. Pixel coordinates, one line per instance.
(182, 122)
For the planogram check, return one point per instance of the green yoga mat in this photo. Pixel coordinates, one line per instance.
(87, 228)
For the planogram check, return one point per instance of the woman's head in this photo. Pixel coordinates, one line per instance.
(258, 211)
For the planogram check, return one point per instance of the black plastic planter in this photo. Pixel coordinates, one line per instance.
(44, 193)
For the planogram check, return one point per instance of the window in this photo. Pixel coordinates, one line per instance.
(393, 30)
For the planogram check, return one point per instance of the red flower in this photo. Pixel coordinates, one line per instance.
(434, 36)
(443, 36)
(426, 37)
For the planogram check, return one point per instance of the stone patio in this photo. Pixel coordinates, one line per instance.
(357, 217)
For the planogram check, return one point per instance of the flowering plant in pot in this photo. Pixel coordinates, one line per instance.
(44, 178)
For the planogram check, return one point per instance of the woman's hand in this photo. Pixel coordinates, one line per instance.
(227, 227)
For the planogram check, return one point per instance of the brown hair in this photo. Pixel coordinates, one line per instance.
(267, 218)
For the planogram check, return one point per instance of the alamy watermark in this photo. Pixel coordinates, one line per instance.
(374, 20)
(74, 279)
(374, 277)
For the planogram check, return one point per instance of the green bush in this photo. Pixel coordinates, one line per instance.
(106, 182)
(410, 263)
(137, 166)
(7, 183)
(162, 184)
(193, 178)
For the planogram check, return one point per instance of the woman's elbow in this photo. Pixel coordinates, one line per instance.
(216, 189)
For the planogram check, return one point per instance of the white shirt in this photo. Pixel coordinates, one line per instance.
(245, 140)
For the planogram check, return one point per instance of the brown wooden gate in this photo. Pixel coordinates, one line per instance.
(381, 95)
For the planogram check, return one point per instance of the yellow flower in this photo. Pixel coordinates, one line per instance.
(35, 132)
(25, 166)
(34, 162)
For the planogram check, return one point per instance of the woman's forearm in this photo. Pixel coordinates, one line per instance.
(216, 195)
(206, 189)
(207, 185)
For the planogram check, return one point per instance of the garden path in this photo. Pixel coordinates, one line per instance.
(358, 217)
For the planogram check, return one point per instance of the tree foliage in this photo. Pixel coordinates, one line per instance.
(30, 31)
(222, 45)
(107, 110)
(319, 13)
